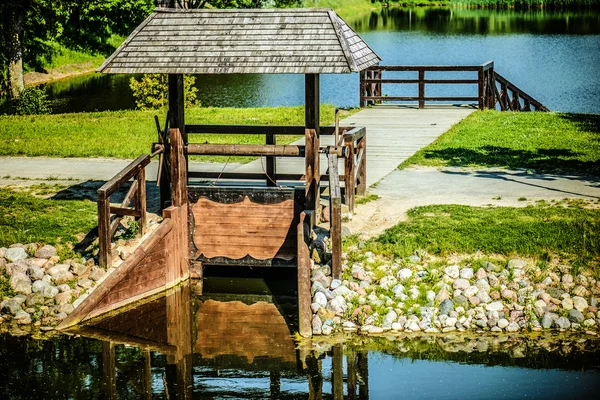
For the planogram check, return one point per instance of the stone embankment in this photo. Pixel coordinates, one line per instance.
(438, 295)
(40, 290)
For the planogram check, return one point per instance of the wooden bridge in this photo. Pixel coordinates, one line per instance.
(256, 217)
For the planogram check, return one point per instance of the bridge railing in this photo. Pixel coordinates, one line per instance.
(485, 79)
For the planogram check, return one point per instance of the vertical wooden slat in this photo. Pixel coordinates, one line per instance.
(104, 233)
(178, 169)
(337, 373)
(335, 218)
(312, 134)
(349, 166)
(361, 187)
(363, 76)
(421, 89)
(140, 199)
(271, 163)
(304, 298)
(492, 87)
(480, 89)
(379, 74)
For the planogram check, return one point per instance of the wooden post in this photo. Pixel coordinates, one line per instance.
(140, 199)
(349, 166)
(315, 378)
(275, 384)
(335, 218)
(312, 136)
(109, 370)
(480, 87)
(104, 234)
(271, 163)
(492, 87)
(361, 146)
(147, 375)
(363, 370)
(421, 89)
(178, 169)
(378, 75)
(304, 297)
(351, 383)
(363, 76)
(337, 373)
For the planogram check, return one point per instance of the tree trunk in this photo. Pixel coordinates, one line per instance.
(14, 39)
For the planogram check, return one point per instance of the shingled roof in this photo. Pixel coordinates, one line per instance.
(274, 41)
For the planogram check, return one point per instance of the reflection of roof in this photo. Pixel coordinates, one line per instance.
(274, 41)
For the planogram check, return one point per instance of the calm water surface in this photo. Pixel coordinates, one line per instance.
(555, 57)
(234, 342)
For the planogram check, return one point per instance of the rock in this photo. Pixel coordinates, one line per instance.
(20, 266)
(588, 323)
(397, 326)
(483, 285)
(413, 326)
(336, 283)
(508, 295)
(576, 316)
(442, 295)
(414, 258)
(389, 319)
(580, 291)
(474, 300)
(484, 297)
(404, 273)
(35, 273)
(461, 301)
(446, 306)
(20, 283)
(34, 299)
(481, 274)
(547, 321)
(567, 303)
(320, 299)
(326, 330)
(10, 306)
(502, 323)
(567, 278)
(15, 254)
(494, 306)
(63, 298)
(554, 292)
(450, 321)
(315, 256)
(66, 309)
(63, 277)
(46, 251)
(78, 269)
(325, 314)
(580, 303)
(22, 317)
(512, 327)
(316, 325)
(562, 323)
(96, 273)
(490, 267)
(58, 268)
(375, 330)
(516, 264)
(460, 284)
(452, 271)
(337, 305)
(466, 273)
(45, 289)
(349, 326)
(470, 291)
(398, 290)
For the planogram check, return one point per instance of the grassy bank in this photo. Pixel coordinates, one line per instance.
(541, 231)
(25, 219)
(127, 134)
(544, 142)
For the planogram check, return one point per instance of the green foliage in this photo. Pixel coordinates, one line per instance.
(31, 101)
(151, 91)
(367, 199)
(544, 142)
(5, 289)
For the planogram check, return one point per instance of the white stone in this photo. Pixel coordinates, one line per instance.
(470, 291)
(15, 254)
(460, 284)
(580, 303)
(502, 323)
(466, 273)
(452, 271)
(567, 304)
(404, 273)
(320, 299)
(315, 307)
(494, 306)
(335, 284)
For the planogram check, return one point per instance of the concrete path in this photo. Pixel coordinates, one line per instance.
(405, 189)
(394, 133)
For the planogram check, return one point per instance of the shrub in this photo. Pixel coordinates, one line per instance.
(32, 100)
(151, 91)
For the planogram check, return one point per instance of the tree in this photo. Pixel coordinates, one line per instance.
(30, 26)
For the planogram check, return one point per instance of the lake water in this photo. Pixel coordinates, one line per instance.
(234, 341)
(553, 56)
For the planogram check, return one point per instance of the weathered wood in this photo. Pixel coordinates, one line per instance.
(312, 140)
(304, 297)
(125, 211)
(178, 169)
(480, 90)
(246, 150)
(421, 89)
(349, 172)
(351, 382)
(271, 168)
(104, 231)
(124, 175)
(430, 98)
(335, 218)
(337, 373)
(140, 199)
(361, 180)
(109, 370)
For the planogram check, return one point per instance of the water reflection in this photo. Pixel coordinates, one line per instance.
(237, 344)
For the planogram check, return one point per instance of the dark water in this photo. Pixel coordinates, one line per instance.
(553, 56)
(234, 342)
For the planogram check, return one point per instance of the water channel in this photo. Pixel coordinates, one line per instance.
(554, 56)
(235, 341)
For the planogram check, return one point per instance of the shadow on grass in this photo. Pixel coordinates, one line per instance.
(585, 122)
(559, 161)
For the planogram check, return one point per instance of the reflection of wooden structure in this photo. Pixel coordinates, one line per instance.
(236, 222)
(492, 88)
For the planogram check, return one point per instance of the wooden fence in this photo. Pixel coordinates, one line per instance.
(486, 80)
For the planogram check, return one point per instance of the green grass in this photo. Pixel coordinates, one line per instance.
(367, 199)
(127, 134)
(544, 142)
(572, 233)
(345, 8)
(25, 219)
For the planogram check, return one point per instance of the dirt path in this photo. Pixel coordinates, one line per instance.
(64, 71)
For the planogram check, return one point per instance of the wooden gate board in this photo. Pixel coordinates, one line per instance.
(244, 225)
(159, 262)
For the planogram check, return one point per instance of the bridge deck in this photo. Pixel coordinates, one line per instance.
(394, 133)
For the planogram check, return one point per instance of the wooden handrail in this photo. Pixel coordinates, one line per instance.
(506, 85)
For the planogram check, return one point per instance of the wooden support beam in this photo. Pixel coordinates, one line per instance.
(304, 297)
(422, 89)
(337, 373)
(140, 199)
(312, 136)
(178, 169)
(361, 181)
(349, 172)
(247, 150)
(271, 168)
(335, 218)
(480, 90)
(104, 231)
(109, 370)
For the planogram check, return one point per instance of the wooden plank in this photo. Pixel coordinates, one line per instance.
(312, 140)
(245, 150)
(417, 98)
(361, 181)
(304, 297)
(427, 81)
(176, 105)
(124, 211)
(140, 199)
(124, 175)
(109, 370)
(104, 231)
(349, 172)
(335, 218)
(271, 163)
(337, 376)
(421, 89)
(178, 169)
(425, 68)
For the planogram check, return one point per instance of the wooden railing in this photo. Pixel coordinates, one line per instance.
(487, 96)
(107, 225)
(353, 139)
